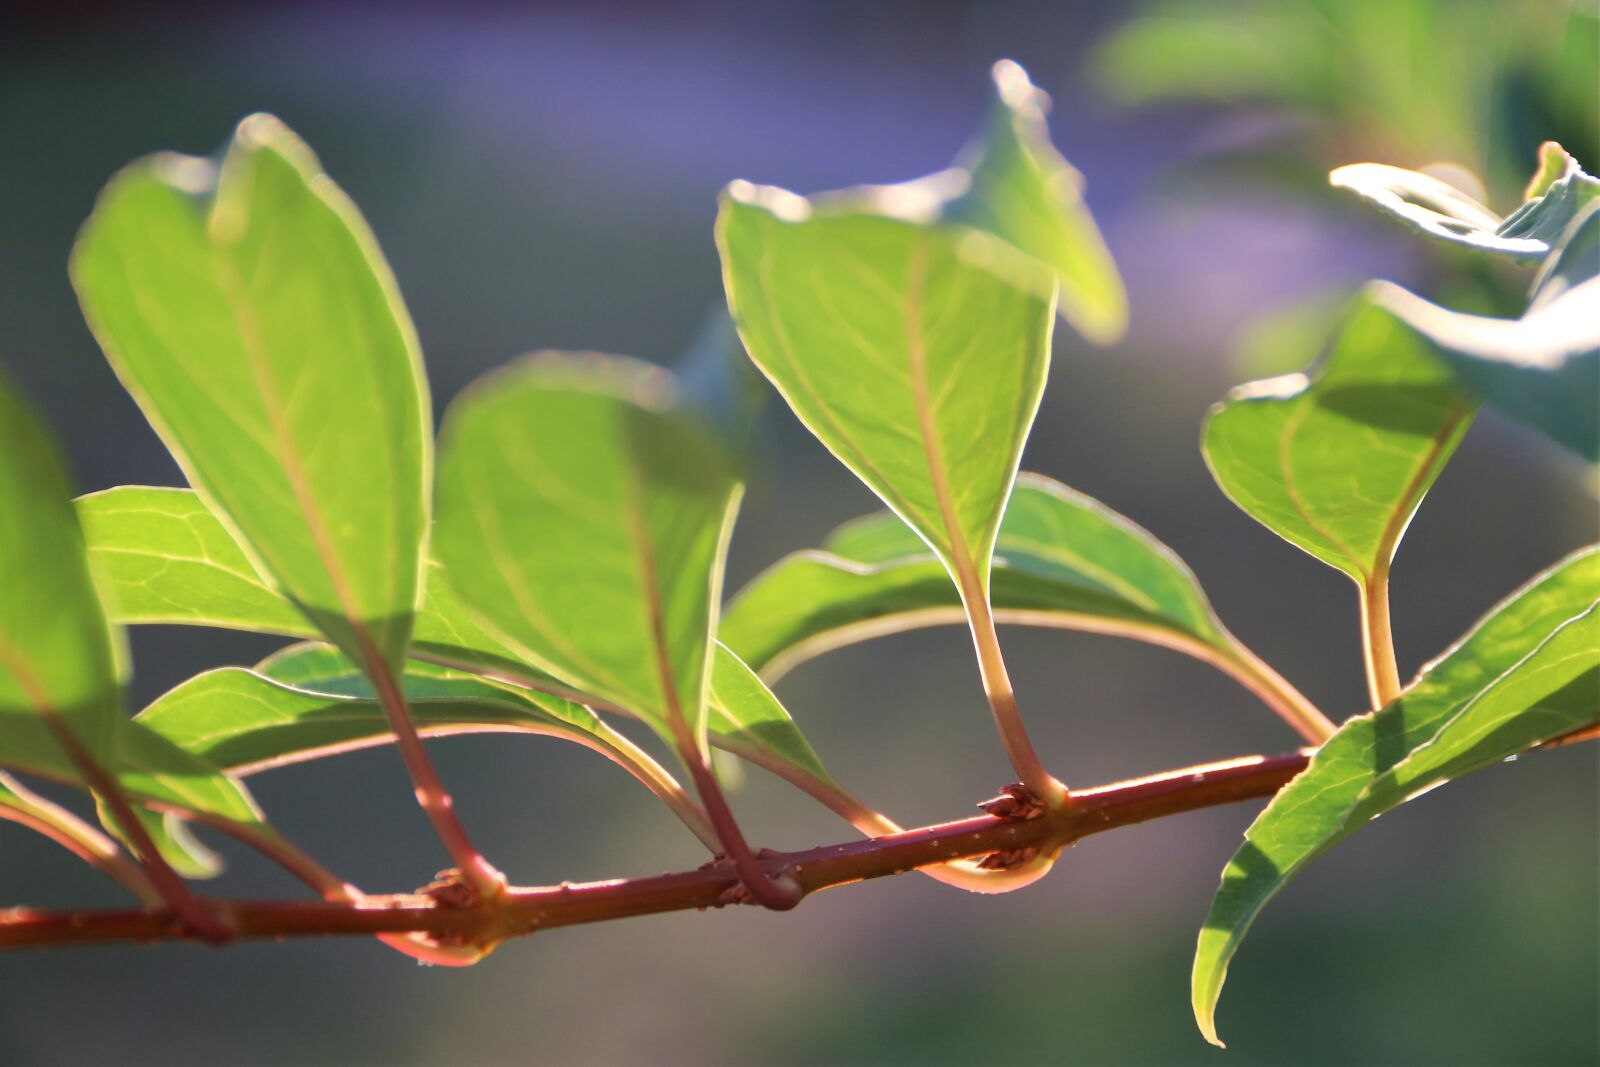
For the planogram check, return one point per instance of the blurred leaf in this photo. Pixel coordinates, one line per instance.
(717, 381)
(1526, 673)
(1437, 209)
(1542, 369)
(1023, 194)
(1287, 337)
(57, 659)
(1063, 560)
(149, 768)
(1337, 463)
(1554, 164)
(172, 837)
(56, 649)
(168, 560)
(584, 520)
(1417, 80)
(1548, 217)
(248, 310)
(921, 373)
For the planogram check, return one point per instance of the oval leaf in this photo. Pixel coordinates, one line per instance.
(247, 309)
(1337, 463)
(585, 521)
(1525, 674)
(919, 371)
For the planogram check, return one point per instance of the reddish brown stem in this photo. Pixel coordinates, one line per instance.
(185, 906)
(434, 800)
(778, 892)
(525, 910)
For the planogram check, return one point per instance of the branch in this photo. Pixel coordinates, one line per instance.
(451, 919)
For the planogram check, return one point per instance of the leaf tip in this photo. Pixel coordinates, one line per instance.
(1016, 90)
(781, 204)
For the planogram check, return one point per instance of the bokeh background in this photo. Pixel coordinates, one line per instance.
(545, 176)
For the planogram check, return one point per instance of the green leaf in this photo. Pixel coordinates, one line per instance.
(1437, 209)
(1554, 164)
(248, 310)
(1542, 369)
(1548, 216)
(57, 657)
(168, 560)
(1525, 674)
(1337, 463)
(745, 718)
(1021, 194)
(584, 520)
(1063, 559)
(247, 722)
(310, 701)
(920, 372)
(149, 768)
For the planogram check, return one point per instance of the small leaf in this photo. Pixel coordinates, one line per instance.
(247, 309)
(1337, 463)
(168, 560)
(745, 718)
(921, 373)
(172, 837)
(148, 767)
(1023, 194)
(584, 520)
(1525, 674)
(1542, 369)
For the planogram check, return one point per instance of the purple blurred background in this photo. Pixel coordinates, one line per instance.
(545, 177)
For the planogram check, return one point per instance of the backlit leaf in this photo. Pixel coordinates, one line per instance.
(1020, 192)
(247, 309)
(56, 648)
(1337, 462)
(919, 371)
(1062, 559)
(1527, 673)
(168, 560)
(1542, 369)
(583, 519)
(1439, 210)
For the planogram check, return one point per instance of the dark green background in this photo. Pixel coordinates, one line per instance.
(547, 178)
